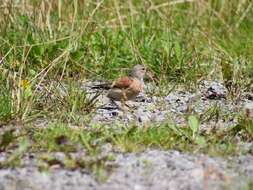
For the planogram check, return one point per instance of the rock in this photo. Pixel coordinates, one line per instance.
(213, 90)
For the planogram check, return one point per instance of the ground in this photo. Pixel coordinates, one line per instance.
(191, 127)
(129, 153)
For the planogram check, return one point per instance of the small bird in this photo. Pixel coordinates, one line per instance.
(127, 87)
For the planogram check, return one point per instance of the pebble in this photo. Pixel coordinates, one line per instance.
(152, 169)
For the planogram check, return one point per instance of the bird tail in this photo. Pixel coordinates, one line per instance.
(102, 86)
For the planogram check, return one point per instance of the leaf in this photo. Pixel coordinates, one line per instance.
(200, 141)
(26, 86)
(32, 72)
(178, 50)
(194, 125)
(167, 46)
(5, 103)
(28, 92)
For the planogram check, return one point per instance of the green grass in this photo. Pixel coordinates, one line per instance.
(61, 137)
(180, 42)
(5, 104)
(48, 47)
(67, 139)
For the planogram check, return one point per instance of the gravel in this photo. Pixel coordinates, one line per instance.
(208, 101)
(153, 169)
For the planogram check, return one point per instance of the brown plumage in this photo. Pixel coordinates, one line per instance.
(127, 87)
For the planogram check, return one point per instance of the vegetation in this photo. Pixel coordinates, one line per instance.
(47, 48)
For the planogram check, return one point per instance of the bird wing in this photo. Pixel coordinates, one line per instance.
(123, 82)
(106, 86)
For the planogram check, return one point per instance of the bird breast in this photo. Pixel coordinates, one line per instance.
(136, 86)
(128, 93)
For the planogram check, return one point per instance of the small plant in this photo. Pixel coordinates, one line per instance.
(5, 103)
(193, 123)
(227, 72)
(245, 124)
(14, 158)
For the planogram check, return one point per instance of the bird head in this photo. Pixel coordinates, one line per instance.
(138, 71)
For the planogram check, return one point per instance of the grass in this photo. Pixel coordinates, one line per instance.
(63, 40)
(48, 47)
(5, 103)
(61, 137)
(89, 142)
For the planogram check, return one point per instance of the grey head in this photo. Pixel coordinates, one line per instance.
(138, 71)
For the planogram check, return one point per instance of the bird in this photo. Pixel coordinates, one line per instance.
(127, 87)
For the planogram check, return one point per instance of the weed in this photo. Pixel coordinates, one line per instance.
(40, 44)
(47, 48)
(5, 102)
